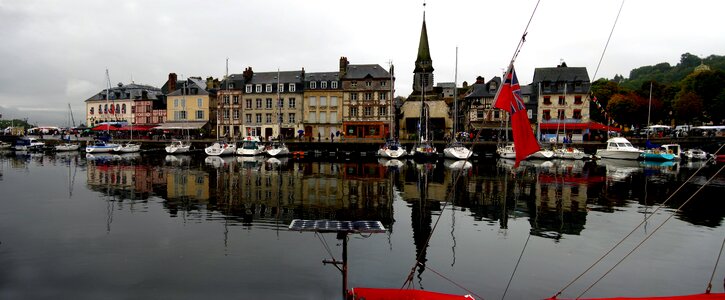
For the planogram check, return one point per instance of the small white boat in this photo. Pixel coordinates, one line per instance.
(28, 144)
(619, 148)
(391, 149)
(220, 148)
(129, 147)
(675, 149)
(694, 154)
(276, 149)
(177, 147)
(506, 151)
(457, 150)
(251, 146)
(570, 153)
(100, 146)
(67, 147)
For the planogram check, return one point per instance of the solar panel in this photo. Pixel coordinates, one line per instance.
(337, 226)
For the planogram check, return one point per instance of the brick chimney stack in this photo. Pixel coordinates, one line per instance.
(172, 82)
(248, 74)
(343, 66)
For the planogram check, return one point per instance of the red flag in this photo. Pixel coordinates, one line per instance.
(509, 99)
(112, 109)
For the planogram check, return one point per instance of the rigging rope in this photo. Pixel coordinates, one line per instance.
(709, 284)
(653, 232)
(453, 282)
(635, 228)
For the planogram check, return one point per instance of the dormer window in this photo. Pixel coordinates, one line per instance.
(268, 88)
(291, 87)
(231, 85)
(248, 89)
(313, 84)
(323, 84)
(280, 87)
(258, 88)
(333, 84)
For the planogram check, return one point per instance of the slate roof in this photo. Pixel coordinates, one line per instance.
(561, 74)
(362, 71)
(134, 91)
(271, 77)
(237, 80)
(481, 90)
(322, 76)
(191, 83)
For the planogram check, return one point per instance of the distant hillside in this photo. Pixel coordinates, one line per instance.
(664, 73)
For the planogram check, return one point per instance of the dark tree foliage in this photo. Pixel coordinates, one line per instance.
(709, 88)
(665, 74)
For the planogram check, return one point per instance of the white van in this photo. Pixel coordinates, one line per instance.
(682, 130)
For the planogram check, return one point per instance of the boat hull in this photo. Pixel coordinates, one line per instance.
(457, 152)
(618, 154)
(281, 151)
(128, 148)
(389, 153)
(220, 150)
(67, 147)
(658, 156)
(101, 149)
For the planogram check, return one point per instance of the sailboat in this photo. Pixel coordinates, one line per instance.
(220, 147)
(456, 149)
(392, 147)
(130, 146)
(67, 145)
(278, 147)
(180, 146)
(655, 152)
(102, 144)
(423, 149)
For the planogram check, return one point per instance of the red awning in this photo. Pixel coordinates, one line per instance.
(137, 127)
(402, 294)
(589, 125)
(104, 127)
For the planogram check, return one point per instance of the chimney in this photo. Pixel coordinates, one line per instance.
(248, 74)
(480, 80)
(171, 83)
(343, 66)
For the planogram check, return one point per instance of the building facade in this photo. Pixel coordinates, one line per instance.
(322, 106)
(188, 106)
(561, 97)
(273, 103)
(118, 104)
(230, 107)
(367, 98)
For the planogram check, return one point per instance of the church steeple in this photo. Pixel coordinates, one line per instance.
(423, 72)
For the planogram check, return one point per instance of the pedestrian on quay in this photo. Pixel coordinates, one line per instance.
(319, 137)
(332, 137)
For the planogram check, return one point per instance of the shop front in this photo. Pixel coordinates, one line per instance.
(365, 130)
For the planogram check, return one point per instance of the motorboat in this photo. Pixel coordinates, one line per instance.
(220, 148)
(178, 146)
(694, 154)
(570, 153)
(101, 146)
(657, 155)
(674, 149)
(129, 147)
(619, 148)
(251, 146)
(67, 147)
(276, 148)
(391, 149)
(28, 144)
(456, 150)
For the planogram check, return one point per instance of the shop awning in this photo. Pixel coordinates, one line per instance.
(181, 125)
(137, 128)
(106, 127)
(588, 125)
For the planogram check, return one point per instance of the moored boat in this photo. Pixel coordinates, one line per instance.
(251, 146)
(276, 148)
(129, 147)
(456, 150)
(694, 154)
(619, 148)
(67, 147)
(178, 146)
(220, 148)
(101, 146)
(391, 149)
(28, 144)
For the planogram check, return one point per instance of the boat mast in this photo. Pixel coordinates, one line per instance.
(279, 104)
(108, 90)
(391, 115)
(455, 98)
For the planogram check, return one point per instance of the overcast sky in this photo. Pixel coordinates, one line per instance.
(56, 52)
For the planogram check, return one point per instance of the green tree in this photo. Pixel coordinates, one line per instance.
(603, 90)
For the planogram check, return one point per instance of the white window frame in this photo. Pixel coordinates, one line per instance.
(199, 102)
(291, 117)
(199, 114)
(292, 102)
(333, 84)
(280, 87)
(323, 84)
(312, 100)
(249, 118)
(268, 117)
(323, 100)
(368, 111)
(313, 85)
(258, 88)
(333, 101)
(291, 87)
(268, 88)
(258, 117)
(248, 89)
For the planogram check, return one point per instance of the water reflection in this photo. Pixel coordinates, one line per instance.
(555, 195)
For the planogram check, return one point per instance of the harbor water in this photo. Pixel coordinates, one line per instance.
(152, 226)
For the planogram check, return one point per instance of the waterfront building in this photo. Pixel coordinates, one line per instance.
(562, 105)
(120, 105)
(366, 100)
(230, 108)
(188, 104)
(263, 112)
(322, 105)
(438, 112)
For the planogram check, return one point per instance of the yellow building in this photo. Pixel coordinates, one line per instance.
(188, 105)
(322, 105)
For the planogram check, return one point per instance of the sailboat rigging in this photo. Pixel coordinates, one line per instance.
(423, 149)
(221, 147)
(392, 147)
(102, 144)
(278, 147)
(180, 146)
(455, 149)
(67, 145)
